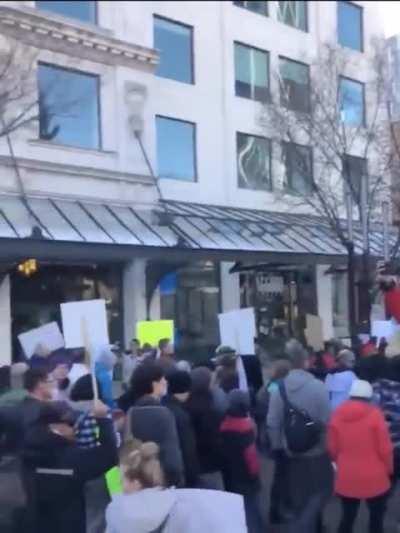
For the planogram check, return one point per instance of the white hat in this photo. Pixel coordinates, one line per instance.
(361, 389)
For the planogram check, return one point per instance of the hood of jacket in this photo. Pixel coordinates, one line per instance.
(148, 401)
(297, 380)
(354, 411)
(141, 512)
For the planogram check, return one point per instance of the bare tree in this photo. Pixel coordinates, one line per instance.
(347, 127)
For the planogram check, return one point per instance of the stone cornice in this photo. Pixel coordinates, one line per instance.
(76, 170)
(84, 41)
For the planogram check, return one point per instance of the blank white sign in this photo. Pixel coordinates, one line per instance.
(93, 313)
(48, 336)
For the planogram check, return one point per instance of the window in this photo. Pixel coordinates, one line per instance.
(175, 43)
(350, 25)
(253, 162)
(298, 168)
(83, 11)
(251, 73)
(295, 85)
(293, 13)
(351, 101)
(68, 107)
(257, 7)
(354, 171)
(176, 153)
(340, 310)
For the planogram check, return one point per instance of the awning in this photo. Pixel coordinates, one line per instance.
(176, 226)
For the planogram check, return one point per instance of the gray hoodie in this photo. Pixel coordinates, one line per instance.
(176, 511)
(306, 393)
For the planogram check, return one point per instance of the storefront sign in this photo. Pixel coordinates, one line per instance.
(152, 331)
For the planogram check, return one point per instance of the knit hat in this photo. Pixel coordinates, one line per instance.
(238, 403)
(179, 382)
(361, 389)
(82, 390)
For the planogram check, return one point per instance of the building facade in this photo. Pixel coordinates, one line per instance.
(148, 178)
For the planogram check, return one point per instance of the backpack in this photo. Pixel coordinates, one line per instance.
(301, 432)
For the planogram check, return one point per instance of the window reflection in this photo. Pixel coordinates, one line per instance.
(351, 99)
(350, 25)
(176, 149)
(69, 107)
(254, 162)
(294, 85)
(251, 72)
(84, 11)
(293, 13)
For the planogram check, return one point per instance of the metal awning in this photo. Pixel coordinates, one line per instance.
(187, 226)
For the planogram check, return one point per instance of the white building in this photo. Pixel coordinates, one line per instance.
(87, 183)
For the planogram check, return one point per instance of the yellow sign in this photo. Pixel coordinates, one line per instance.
(152, 331)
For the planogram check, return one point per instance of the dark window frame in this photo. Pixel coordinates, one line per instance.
(287, 187)
(364, 161)
(194, 124)
(255, 12)
(271, 181)
(364, 111)
(192, 52)
(96, 14)
(98, 100)
(285, 58)
(268, 54)
(361, 11)
(306, 17)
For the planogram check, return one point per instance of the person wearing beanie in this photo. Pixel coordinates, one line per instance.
(241, 462)
(179, 385)
(359, 443)
(340, 379)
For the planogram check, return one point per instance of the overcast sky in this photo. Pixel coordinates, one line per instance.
(391, 17)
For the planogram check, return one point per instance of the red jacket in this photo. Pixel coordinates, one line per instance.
(392, 302)
(360, 445)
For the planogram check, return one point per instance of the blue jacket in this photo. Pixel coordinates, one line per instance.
(105, 381)
(338, 384)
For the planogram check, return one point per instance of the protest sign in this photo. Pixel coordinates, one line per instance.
(314, 332)
(238, 330)
(152, 331)
(93, 312)
(383, 329)
(47, 337)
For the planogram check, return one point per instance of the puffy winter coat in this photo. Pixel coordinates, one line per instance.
(360, 445)
(339, 383)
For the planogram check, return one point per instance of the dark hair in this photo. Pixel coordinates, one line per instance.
(372, 368)
(143, 378)
(33, 377)
(163, 343)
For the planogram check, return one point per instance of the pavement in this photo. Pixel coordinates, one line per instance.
(333, 512)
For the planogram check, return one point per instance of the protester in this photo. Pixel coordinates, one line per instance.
(387, 397)
(56, 470)
(241, 462)
(206, 421)
(339, 380)
(371, 368)
(279, 370)
(359, 444)
(105, 362)
(40, 387)
(179, 384)
(302, 400)
(60, 373)
(148, 420)
(370, 348)
(16, 392)
(146, 506)
(130, 359)
(166, 356)
(227, 375)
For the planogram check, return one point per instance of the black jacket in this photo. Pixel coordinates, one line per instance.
(55, 472)
(206, 421)
(150, 421)
(187, 440)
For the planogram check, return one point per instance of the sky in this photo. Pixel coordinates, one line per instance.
(390, 12)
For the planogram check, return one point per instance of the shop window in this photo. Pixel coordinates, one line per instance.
(69, 110)
(294, 85)
(352, 102)
(83, 11)
(350, 25)
(293, 13)
(253, 162)
(340, 305)
(191, 297)
(297, 160)
(175, 44)
(255, 6)
(176, 154)
(251, 72)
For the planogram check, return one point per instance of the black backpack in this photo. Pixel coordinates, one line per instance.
(301, 432)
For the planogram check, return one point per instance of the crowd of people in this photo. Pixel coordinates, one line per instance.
(327, 423)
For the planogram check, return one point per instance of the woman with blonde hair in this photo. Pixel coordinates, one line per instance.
(147, 507)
